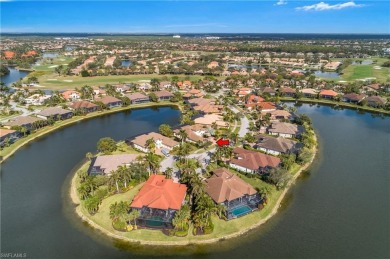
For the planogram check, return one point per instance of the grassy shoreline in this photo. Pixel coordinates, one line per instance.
(333, 103)
(223, 230)
(9, 151)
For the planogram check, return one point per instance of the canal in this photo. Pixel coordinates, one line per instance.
(341, 209)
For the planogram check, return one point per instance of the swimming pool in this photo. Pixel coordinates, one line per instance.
(240, 210)
(154, 222)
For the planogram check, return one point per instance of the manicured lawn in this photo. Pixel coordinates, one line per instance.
(50, 80)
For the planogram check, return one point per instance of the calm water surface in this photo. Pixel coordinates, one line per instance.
(13, 76)
(340, 210)
(327, 74)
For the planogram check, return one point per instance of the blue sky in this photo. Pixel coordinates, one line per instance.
(278, 16)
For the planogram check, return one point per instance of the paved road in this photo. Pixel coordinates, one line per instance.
(244, 123)
(24, 111)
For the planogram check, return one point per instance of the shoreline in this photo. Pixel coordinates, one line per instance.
(49, 129)
(336, 104)
(76, 201)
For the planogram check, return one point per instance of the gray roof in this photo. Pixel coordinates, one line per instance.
(52, 111)
(278, 144)
(285, 128)
(111, 163)
(21, 121)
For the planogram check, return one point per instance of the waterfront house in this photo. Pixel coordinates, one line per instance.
(137, 98)
(285, 129)
(276, 146)
(158, 201)
(36, 99)
(252, 162)
(270, 91)
(163, 95)
(22, 121)
(205, 106)
(210, 119)
(71, 95)
(161, 142)
(264, 106)
(376, 101)
(227, 189)
(353, 98)
(110, 101)
(85, 106)
(287, 91)
(328, 94)
(8, 136)
(277, 115)
(57, 113)
(309, 93)
(105, 165)
(195, 133)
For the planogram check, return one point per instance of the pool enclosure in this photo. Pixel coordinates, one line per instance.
(242, 206)
(155, 218)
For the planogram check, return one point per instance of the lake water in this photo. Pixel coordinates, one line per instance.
(340, 210)
(50, 54)
(327, 74)
(13, 76)
(126, 63)
(364, 62)
(236, 66)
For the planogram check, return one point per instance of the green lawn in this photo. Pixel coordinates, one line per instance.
(48, 65)
(51, 80)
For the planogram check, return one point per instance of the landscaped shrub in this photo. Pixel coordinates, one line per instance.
(119, 225)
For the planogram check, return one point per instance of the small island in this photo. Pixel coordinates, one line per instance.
(180, 186)
(4, 70)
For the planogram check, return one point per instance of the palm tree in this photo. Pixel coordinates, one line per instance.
(91, 184)
(124, 174)
(151, 161)
(134, 214)
(168, 172)
(89, 156)
(183, 135)
(118, 210)
(83, 191)
(151, 145)
(181, 219)
(113, 180)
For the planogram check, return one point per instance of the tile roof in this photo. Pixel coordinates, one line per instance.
(223, 185)
(160, 193)
(108, 99)
(328, 92)
(253, 160)
(136, 96)
(82, 104)
(285, 127)
(5, 132)
(111, 163)
(21, 121)
(277, 144)
(141, 140)
(51, 111)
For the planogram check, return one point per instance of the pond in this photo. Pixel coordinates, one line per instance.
(340, 209)
(126, 63)
(13, 76)
(327, 74)
(50, 55)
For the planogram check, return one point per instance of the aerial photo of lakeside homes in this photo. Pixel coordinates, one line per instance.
(195, 129)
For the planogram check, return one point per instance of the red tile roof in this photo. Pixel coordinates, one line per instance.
(253, 160)
(328, 93)
(160, 193)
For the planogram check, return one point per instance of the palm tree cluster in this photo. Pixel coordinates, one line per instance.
(202, 207)
(120, 178)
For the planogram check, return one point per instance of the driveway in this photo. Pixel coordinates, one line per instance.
(244, 123)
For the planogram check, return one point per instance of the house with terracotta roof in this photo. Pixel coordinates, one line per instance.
(85, 106)
(57, 113)
(277, 146)
(213, 64)
(253, 100)
(161, 142)
(285, 129)
(137, 98)
(265, 106)
(252, 162)
(8, 136)
(227, 189)
(9, 54)
(193, 93)
(110, 101)
(105, 165)
(71, 95)
(328, 94)
(244, 91)
(158, 201)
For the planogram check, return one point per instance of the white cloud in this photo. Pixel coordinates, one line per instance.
(324, 6)
(281, 2)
